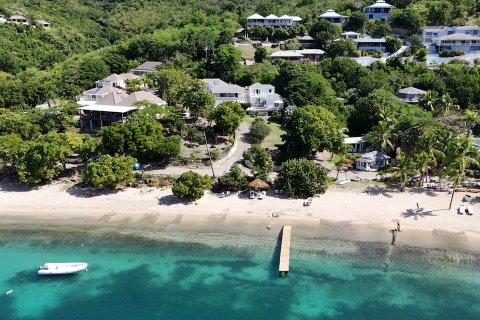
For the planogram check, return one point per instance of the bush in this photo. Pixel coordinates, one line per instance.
(109, 172)
(276, 117)
(191, 185)
(452, 53)
(234, 180)
(215, 155)
(194, 135)
(302, 178)
(262, 163)
(259, 130)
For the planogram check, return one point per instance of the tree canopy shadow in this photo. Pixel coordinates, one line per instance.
(425, 191)
(18, 187)
(416, 213)
(171, 199)
(377, 191)
(81, 191)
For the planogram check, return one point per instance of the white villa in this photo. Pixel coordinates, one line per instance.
(379, 10)
(334, 18)
(225, 91)
(410, 95)
(430, 33)
(309, 55)
(114, 107)
(272, 20)
(116, 80)
(263, 99)
(350, 35)
(145, 68)
(19, 20)
(92, 96)
(372, 161)
(371, 44)
(356, 143)
(457, 41)
(43, 23)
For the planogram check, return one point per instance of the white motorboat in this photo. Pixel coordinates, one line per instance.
(53, 268)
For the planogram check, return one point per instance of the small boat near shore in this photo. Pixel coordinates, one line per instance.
(53, 268)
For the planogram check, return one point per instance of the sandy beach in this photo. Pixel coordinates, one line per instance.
(338, 214)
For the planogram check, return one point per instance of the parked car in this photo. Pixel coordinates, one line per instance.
(73, 158)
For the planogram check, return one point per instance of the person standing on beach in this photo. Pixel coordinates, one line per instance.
(398, 226)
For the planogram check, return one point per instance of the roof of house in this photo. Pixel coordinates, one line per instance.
(305, 37)
(411, 90)
(331, 14)
(374, 155)
(255, 16)
(214, 82)
(16, 17)
(260, 85)
(128, 76)
(108, 108)
(296, 18)
(271, 17)
(227, 88)
(369, 39)
(285, 17)
(113, 77)
(103, 90)
(275, 97)
(286, 54)
(349, 33)
(112, 99)
(353, 140)
(42, 22)
(457, 36)
(451, 28)
(381, 4)
(138, 96)
(148, 65)
(310, 51)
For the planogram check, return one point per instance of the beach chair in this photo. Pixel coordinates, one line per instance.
(307, 202)
(461, 209)
(262, 195)
(470, 210)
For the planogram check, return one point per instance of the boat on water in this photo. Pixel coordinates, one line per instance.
(53, 268)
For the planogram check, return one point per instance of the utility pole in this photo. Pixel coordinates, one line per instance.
(208, 151)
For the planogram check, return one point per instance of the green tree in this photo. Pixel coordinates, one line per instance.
(9, 148)
(381, 135)
(18, 123)
(260, 54)
(343, 48)
(340, 163)
(357, 22)
(380, 28)
(197, 99)
(400, 170)
(302, 178)
(10, 91)
(393, 44)
(90, 70)
(471, 118)
(234, 180)
(313, 129)
(262, 163)
(191, 185)
(259, 130)
(225, 61)
(109, 172)
(412, 18)
(324, 33)
(38, 161)
(308, 88)
(170, 82)
(228, 116)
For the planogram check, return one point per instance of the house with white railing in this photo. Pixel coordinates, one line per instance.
(263, 99)
(379, 10)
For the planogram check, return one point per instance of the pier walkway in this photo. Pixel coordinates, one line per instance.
(284, 265)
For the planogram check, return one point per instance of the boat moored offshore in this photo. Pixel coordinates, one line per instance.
(53, 268)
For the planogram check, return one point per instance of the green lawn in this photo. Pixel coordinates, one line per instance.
(275, 136)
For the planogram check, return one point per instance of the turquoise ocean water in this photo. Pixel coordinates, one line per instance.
(130, 277)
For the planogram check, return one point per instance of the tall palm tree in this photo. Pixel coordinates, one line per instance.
(381, 135)
(460, 155)
(427, 101)
(424, 161)
(471, 118)
(340, 163)
(444, 105)
(401, 169)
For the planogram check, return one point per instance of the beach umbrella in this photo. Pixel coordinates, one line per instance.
(258, 184)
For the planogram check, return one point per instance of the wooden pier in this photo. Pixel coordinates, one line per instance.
(284, 265)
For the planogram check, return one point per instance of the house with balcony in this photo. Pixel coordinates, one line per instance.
(19, 20)
(371, 44)
(272, 20)
(334, 18)
(263, 99)
(457, 41)
(116, 80)
(410, 95)
(92, 96)
(379, 10)
(296, 56)
(115, 108)
(223, 91)
(350, 35)
(145, 68)
(356, 144)
(429, 33)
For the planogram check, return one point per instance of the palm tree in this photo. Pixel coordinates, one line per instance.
(427, 101)
(381, 135)
(445, 104)
(424, 161)
(340, 163)
(471, 118)
(460, 155)
(401, 169)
